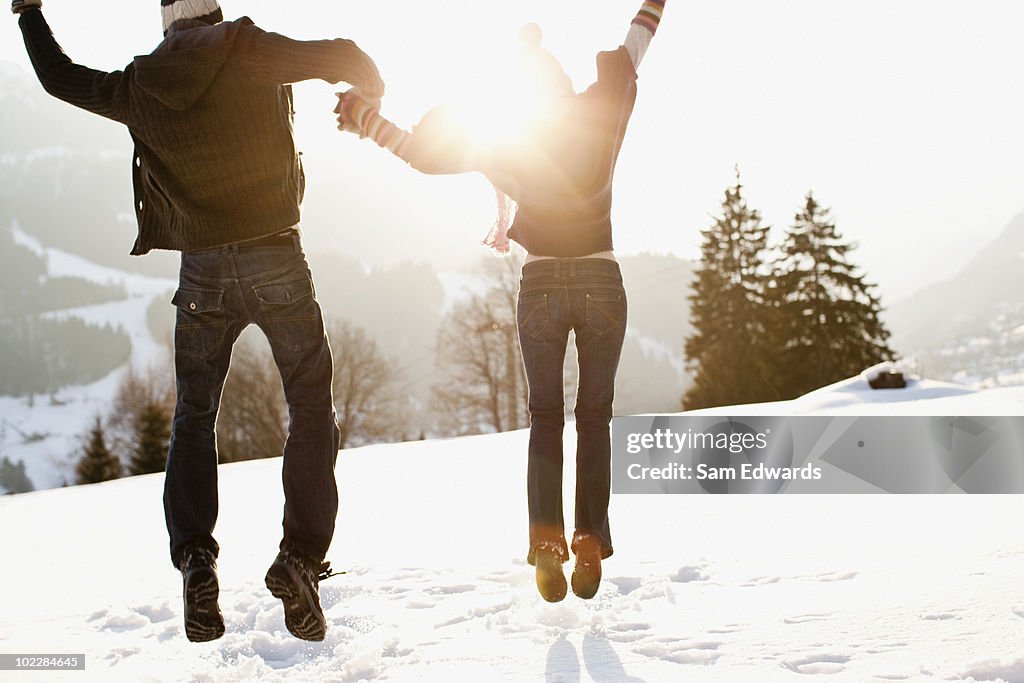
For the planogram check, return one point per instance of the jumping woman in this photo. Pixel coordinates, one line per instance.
(560, 179)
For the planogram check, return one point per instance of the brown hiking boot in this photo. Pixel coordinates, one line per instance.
(295, 578)
(200, 592)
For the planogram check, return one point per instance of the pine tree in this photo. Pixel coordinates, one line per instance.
(829, 316)
(152, 433)
(13, 478)
(730, 312)
(97, 463)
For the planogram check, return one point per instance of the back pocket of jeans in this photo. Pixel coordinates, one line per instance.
(605, 311)
(201, 323)
(532, 313)
(289, 313)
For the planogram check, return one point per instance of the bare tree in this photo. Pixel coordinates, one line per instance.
(483, 386)
(253, 415)
(366, 394)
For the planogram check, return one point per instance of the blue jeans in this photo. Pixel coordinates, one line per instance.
(555, 296)
(221, 291)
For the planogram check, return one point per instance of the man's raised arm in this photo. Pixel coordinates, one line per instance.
(100, 92)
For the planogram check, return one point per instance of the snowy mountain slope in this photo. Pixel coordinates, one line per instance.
(965, 327)
(433, 534)
(45, 434)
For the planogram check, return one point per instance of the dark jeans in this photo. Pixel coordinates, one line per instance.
(221, 291)
(555, 296)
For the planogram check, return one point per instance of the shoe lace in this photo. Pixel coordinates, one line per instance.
(316, 571)
(326, 572)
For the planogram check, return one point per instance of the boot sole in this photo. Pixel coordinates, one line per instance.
(302, 615)
(203, 619)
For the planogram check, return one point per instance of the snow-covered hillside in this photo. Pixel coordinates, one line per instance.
(924, 397)
(433, 536)
(45, 434)
(969, 328)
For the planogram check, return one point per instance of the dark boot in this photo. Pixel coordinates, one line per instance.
(550, 577)
(586, 576)
(200, 590)
(295, 578)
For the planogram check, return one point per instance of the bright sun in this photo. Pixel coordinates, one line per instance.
(506, 104)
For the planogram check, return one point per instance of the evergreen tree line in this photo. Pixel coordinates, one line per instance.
(40, 355)
(133, 438)
(13, 478)
(772, 324)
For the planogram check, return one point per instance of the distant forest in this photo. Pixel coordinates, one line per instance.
(39, 354)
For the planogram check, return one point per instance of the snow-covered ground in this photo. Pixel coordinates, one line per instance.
(46, 434)
(433, 536)
(921, 397)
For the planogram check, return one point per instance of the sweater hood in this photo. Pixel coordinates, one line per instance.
(180, 70)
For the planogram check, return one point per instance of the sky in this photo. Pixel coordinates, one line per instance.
(904, 117)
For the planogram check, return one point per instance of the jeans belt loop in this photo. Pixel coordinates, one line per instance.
(558, 268)
(572, 268)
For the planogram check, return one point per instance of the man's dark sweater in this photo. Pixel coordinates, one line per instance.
(210, 112)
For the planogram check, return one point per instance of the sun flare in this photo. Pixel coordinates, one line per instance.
(513, 95)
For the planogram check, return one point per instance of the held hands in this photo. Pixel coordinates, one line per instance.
(360, 114)
(19, 6)
(352, 110)
(372, 101)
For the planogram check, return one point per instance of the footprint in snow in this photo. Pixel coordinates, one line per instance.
(450, 590)
(157, 614)
(885, 648)
(628, 632)
(630, 626)
(119, 654)
(817, 664)
(727, 629)
(762, 581)
(681, 652)
(805, 618)
(478, 613)
(625, 584)
(940, 616)
(120, 621)
(996, 670)
(834, 576)
(689, 574)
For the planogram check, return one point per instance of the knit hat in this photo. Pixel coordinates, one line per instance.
(207, 11)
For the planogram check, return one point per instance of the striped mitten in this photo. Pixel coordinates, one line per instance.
(642, 30)
(649, 15)
(356, 115)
